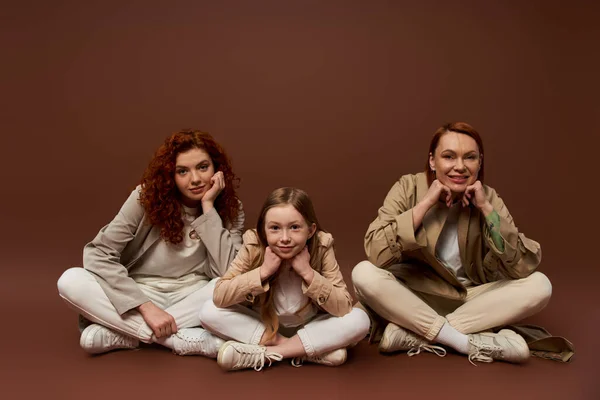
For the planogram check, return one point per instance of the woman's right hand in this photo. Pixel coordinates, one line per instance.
(436, 192)
(161, 322)
(270, 264)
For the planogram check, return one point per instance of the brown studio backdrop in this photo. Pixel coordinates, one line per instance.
(339, 98)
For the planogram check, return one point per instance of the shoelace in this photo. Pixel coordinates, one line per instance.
(410, 342)
(192, 344)
(117, 340)
(255, 357)
(416, 345)
(297, 361)
(484, 353)
(272, 357)
(437, 350)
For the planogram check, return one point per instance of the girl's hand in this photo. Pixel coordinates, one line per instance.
(301, 264)
(161, 322)
(270, 265)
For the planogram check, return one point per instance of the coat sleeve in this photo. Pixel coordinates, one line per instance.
(102, 256)
(392, 233)
(328, 289)
(241, 283)
(520, 256)
(221, 244)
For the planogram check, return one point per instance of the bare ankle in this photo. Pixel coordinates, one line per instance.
(279, 340)
(276, 341)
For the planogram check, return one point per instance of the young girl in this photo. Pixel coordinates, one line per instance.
(284, 295)
(147, 272)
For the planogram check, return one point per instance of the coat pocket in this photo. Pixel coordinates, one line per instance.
(491, 267)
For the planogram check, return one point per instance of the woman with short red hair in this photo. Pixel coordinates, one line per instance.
(147, 273)
(447, 262)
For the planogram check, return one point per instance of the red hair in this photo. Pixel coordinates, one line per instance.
(458, 127)
(160, 197)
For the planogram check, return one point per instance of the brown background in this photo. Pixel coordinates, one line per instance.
(339, 98)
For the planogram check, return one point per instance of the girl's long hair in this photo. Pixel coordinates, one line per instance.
(302, 203)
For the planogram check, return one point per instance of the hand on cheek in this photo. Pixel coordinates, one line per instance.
(476, 196)
(217, 184)
(270, 264)
(301, 264)
(438, 192)
(465, 200)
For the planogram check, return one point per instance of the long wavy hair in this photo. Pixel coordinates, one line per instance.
(160, 197)
(302, 203)
(458, 127)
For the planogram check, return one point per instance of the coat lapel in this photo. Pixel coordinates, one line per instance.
(434, 219)
(145, 236)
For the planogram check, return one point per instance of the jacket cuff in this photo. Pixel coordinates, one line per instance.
(319, 289)
(254, 286)
(406, 233)
(507, 231)
(211, 218)
(131, 304)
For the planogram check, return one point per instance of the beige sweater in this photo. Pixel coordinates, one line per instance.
(125, 247)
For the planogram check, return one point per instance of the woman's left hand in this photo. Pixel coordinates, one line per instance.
(217, 185)
(301, 264)
(474, 194)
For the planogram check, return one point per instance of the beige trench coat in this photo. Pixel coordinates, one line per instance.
(391, 239)
(242, 285)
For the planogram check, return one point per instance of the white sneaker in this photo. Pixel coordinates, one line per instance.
(505, 345)
(331, 359)
(96, 339)
(234, 355)
(396, 338)
(196, 341)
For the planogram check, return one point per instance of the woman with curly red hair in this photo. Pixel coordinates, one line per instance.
(146, 274)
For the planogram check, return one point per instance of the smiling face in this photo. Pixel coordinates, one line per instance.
(193, 171)
(456, 161)
(286, 231)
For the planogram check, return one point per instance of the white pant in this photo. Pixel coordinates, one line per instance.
(319, 335)
(82, 292)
